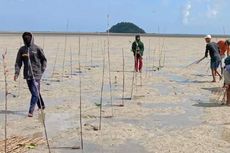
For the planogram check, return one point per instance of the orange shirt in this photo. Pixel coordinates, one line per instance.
(223, 48)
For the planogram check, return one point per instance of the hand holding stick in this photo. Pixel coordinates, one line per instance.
(196, 62)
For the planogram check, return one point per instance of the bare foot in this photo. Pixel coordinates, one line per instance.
(213, 80)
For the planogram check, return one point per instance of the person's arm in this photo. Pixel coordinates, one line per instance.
(18, 65)
(206, 51)
(43, 60)
(133, 47)
(142, 48)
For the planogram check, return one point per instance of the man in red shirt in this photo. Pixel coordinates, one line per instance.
(223, 46)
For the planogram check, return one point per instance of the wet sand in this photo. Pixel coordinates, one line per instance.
(174, 109)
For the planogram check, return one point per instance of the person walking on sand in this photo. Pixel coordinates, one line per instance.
(227, 79)
(223, 46)
(34, 61)
(138, 50)
(213, 50)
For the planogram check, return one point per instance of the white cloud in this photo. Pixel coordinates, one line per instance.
(212, 12)
(186, 12)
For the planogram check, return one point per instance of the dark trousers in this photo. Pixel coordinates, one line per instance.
(36, 98)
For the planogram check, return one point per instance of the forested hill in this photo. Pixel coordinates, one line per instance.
(126, 27)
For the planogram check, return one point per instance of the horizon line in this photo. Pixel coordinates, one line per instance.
(115, 34)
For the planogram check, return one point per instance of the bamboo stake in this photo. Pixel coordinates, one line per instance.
(123, 90)
(87, 43)
(141, 78)
(146, 61)
(71, 62)
(19, 80)
(159, 47)
(102, 88)
(43, 44)
(164, 61)
(133, 79)
(19, 85)
(161, 52)
(55, 61)
(39, 100)
(91, 55)
(149, 54)
(6, 94)
(109, 63)
(65, 45)
(79, 64)
(154, 52)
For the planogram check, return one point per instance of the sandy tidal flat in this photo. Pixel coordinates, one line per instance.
(173, 109)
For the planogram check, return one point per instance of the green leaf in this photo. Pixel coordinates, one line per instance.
(98, 105)
(31, 146)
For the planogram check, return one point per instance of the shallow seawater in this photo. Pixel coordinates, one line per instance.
(58, 122)
(190, 116)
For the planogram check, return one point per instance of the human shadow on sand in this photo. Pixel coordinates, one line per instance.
(214, 90)
(19, 113)
(201, 104)
(197, 81)
(201, 75)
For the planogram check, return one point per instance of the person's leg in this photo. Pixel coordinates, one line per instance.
(40, 102)
(216, 72)
(228, 96)
(34, 96)
(140, 63)
(136, 63)
(213, 75)
(216, 69)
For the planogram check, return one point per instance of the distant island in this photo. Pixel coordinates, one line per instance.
(126, 27)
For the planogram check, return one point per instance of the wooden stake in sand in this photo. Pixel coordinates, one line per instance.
(79, 64)
(133, 79)
(109, 63)
(55, 61)
(19, 86)
(102, 87)
(71, 62)
(164, 60)
(147, 64)
(123, 89)
(91, 55)
(86, 50)
(162, 52)
(6, 94)
(39, 99)
(65, 45)
(154, 52)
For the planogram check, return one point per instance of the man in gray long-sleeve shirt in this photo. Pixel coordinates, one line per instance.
(34, 62)
(213, 50)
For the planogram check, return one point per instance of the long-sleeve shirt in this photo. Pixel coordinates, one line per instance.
(138, 46)
(33, 59)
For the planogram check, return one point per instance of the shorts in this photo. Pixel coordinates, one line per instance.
(214, 64)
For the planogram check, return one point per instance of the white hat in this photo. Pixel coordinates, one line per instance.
(208, 36)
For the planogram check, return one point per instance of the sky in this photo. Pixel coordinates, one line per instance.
(163, 16)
